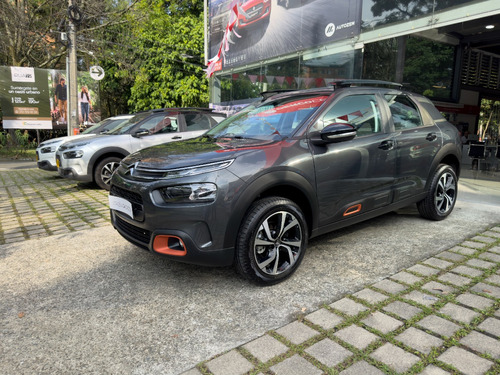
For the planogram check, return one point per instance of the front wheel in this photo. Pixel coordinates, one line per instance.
(272, 241)
(104, 170)
(441, 196)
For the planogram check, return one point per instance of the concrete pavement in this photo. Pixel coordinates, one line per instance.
(76, 298)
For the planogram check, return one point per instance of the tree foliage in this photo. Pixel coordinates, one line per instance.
(169, 54)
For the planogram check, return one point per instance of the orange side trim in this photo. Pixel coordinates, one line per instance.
(352, 210)
(162, 243)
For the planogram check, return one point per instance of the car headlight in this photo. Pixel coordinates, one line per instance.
(190, 193)
(46, 150)
(73, 154)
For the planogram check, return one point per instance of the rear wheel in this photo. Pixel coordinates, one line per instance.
(272, 241)
(104, 170)
(441, 196)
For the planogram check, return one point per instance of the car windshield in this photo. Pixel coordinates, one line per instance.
(270, 119)
(95, 127)
(106, 126)
(125, 127)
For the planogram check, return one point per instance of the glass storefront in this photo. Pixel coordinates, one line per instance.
(394, 52)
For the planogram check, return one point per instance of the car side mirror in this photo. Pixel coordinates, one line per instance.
(140, 133)
(334, 133)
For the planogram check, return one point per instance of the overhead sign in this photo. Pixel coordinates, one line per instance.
(96, 72)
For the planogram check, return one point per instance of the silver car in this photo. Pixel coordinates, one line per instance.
(46, 151)
(95, 159)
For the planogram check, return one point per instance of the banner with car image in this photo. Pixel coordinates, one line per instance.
(245, 31)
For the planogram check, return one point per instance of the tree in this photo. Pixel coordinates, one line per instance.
(169, 55)
(489, 119)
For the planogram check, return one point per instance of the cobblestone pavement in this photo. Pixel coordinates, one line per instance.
(439, 316)
(36, 203)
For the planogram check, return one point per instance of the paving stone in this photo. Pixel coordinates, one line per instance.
(491, 326)
(439, 325)
(490, 290)
(492, 233)
(381, 322)
(459, 313)
(454, 279)
(463, 250)
(324, 318)
(297, 332)
(482, 344)
(402, 309)
(472, 300)
(390, 286)
(356, 336)
(468, 271)
(451, 256)
(406, 278)
(348, 306)
(495, 249)
(438, 288)
(395, 357)
(493, 279)
(490, 256)
(438, 263)
(433, 370)
(484, 239)
(295, 365)
(466, 362)
(371, 296)
(193, 371)
(421, 298)
(480, 263)
(266, 347)
(419, 340)
(474, 245)
(423, 270)
(362, 367)
(231, 363)
(328, 352)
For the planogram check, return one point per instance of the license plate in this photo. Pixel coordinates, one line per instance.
(122, 205)
(58, 164)
(37, 158)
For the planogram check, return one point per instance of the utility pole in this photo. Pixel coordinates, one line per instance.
(72, 73)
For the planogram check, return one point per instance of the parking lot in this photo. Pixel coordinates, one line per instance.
(77, 298)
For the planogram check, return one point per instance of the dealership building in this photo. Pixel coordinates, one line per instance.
(448, 50)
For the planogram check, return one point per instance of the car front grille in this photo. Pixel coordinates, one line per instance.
(138, 235)
(126, 194)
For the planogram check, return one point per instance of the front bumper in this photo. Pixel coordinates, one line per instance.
(73, 169)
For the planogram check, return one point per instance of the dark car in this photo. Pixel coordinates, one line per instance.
(253, 190)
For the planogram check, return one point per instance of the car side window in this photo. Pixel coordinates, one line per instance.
(360, 111)
(161, 124)
(197, 121)
(404, 112)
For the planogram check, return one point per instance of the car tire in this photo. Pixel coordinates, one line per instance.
(441, 196)
(272, 241)
(104, 170)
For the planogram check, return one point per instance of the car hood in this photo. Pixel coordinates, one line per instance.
(53, 142)
(197, 151)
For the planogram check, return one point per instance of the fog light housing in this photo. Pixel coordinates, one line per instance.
(169, 245)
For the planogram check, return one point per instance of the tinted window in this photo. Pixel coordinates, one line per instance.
(197, 121)
(404, 112)
(360, 111)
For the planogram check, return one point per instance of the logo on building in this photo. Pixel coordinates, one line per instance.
(330, 29)
(22, 74)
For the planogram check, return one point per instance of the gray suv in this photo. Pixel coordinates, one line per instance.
(255, 188)
(95, 159)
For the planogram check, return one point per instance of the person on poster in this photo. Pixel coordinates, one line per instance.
(85, 105)
(61, 99)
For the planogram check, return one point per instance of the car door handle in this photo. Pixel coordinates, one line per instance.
(386, 145)
(177, 137)
(431, 137)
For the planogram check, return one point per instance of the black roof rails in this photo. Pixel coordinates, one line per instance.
(267, 94)
(363, 82)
